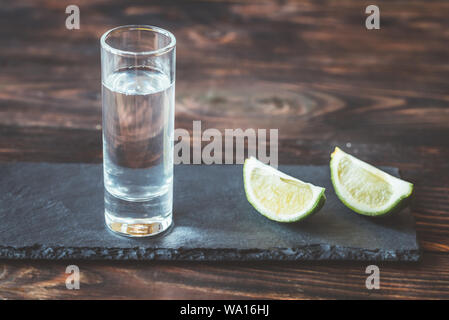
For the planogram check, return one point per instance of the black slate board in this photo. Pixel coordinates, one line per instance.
(55, 211)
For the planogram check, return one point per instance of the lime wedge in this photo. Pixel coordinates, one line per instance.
(366, 189)
(278, 196)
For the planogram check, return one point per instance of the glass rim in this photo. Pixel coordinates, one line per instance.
(132, 27)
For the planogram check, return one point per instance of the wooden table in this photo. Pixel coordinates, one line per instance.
(309, 68)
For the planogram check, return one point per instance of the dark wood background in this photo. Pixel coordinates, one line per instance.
(309, 68)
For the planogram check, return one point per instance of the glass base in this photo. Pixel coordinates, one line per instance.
(137, 227)
(138, 218)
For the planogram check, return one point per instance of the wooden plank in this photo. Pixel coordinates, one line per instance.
(43, 280)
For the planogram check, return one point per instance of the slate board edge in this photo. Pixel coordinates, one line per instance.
(308, 253)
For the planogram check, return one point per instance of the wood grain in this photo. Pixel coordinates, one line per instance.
(428, 280)
(308, 68)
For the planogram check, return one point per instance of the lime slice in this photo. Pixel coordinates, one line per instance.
(366, 189)
(278, 196)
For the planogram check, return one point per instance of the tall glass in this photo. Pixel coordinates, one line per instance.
(138, 89)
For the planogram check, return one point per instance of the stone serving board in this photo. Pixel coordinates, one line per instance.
(55, 211)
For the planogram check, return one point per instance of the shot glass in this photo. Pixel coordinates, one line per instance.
(138, 101)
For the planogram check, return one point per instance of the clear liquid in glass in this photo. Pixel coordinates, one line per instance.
(138, 116)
